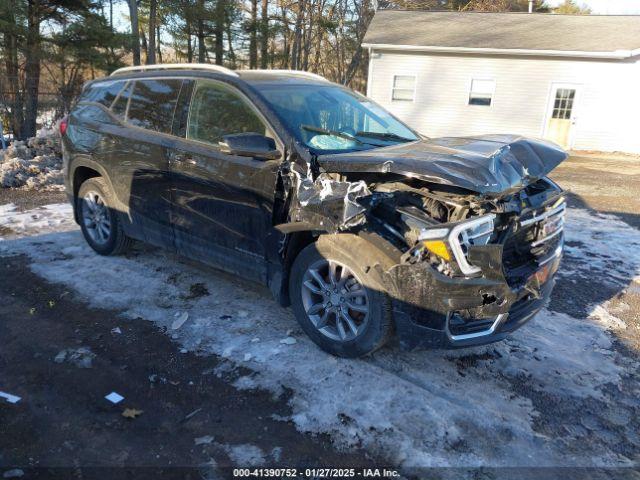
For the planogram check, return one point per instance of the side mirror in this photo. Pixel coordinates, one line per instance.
(250, 145)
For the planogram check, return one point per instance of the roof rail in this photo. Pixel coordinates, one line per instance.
(175, 66)
(300, 73)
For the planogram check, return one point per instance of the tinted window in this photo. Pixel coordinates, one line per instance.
(103, 92)
(119, 107)
(152, 104)
(217, 111)
(93, 113)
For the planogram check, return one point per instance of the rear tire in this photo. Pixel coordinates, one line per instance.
(336, 297)
(98, 218)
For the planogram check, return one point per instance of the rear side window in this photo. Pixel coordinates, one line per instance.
(93, 113)
(152, 104)
(217, 111)
(103, 92)
(119, 107)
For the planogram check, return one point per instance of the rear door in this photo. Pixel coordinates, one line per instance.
(222, 210)
(138, 156)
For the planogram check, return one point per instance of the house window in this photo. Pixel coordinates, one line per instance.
(404, 88)
(482, 92)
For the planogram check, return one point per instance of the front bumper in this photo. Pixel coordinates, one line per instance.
(431, 310)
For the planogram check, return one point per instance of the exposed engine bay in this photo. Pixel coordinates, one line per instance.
(481, 256)
(413, 217)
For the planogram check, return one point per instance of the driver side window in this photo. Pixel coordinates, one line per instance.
(217, 111)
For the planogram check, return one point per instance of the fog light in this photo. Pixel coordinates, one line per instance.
(438, 248)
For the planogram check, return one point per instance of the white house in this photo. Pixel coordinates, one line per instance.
(571, 79)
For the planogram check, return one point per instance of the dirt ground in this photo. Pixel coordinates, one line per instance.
(198, 421)
(182, 398)
(606, 184)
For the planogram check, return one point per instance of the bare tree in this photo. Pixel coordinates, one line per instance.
(264, 34)
(135, 31)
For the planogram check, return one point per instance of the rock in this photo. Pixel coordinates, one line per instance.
(81, 357)
(288, 341)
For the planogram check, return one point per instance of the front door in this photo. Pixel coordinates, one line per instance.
(561, 114)
(222, 204)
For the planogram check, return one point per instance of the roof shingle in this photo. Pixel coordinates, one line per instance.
(505, 31)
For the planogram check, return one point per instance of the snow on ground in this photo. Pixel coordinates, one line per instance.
(54, 217)
(33, 164)
(554, 394)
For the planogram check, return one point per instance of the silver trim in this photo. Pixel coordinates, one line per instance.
(548, 237)
(500, 319)
(544, 215)
(299, 73)
(175, 66)
(555, 255)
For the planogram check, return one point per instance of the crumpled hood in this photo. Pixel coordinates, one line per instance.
(490, 165)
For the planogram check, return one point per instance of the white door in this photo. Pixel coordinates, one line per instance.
(561, 114)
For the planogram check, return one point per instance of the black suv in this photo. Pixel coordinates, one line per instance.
(360, 223)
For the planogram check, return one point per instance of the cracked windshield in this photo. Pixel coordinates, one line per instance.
(330, 119)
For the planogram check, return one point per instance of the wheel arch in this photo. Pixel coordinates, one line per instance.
(82, 171)
(299, 239)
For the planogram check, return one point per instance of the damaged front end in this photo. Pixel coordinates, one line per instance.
(474, 260)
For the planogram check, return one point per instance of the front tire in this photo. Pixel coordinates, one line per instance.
(98, 218)
(342, 307)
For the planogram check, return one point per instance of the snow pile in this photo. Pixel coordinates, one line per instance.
(32, 164)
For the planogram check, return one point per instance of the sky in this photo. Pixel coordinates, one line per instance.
(607, 7)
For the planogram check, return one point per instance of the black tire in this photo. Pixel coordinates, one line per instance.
(361, 258)
(116, 242)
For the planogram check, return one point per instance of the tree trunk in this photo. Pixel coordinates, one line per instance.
(232, 53)
(135, 31)
(286, 46)
(151, 52)
(188, 29)
(297, 37)
(145, 46)
(202, 50)
(15, 101)
(32, 68)
(306, 37)
(264, 34)
(219, 31)
(253, 35)
(159, 44)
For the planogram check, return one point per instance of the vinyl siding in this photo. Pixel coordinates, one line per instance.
(607, 106)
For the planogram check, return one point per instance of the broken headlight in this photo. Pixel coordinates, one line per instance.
(454, 242)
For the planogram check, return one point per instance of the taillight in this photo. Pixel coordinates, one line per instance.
(63, 126)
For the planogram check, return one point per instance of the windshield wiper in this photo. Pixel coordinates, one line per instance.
(324, 131)
(384, 136)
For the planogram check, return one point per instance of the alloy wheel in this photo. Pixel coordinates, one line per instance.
(96, 219)
(335, 300)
